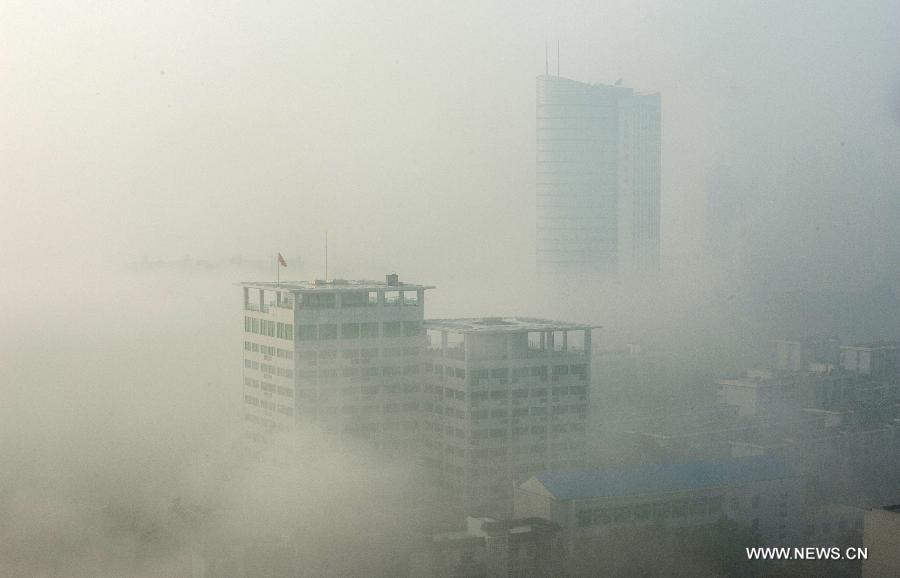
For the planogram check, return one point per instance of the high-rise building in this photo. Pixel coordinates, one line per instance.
(598, 180)
(505, 398)
(344, 355)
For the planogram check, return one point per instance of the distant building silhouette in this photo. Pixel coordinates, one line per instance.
(598, 180)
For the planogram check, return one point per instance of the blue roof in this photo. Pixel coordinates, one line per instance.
(660, 478)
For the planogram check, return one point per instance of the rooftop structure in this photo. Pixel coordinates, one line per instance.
(504, 325)
(333, 285)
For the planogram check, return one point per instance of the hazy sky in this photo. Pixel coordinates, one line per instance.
(407, 128)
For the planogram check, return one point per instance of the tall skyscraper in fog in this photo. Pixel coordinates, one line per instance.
(598, 180)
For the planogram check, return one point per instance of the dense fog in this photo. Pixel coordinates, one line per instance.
(155, 155)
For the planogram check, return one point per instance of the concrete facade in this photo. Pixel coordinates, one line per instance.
(342, 355)
(509, 398)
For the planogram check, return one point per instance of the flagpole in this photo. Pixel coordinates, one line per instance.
(278, 274)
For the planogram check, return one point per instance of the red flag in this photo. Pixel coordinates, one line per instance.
(281, 261)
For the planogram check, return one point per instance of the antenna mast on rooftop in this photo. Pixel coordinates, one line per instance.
(546, 59)
(557, 57)
(326, 255)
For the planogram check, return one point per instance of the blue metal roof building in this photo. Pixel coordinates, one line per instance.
(662, 478)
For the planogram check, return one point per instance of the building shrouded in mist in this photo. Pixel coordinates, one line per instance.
(510, 399)
(344, 355)
(598, 180)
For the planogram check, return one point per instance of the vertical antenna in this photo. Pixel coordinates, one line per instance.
(326, 255)
(557, 57)
(546, 59)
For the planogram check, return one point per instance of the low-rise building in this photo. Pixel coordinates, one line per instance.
(757, 491)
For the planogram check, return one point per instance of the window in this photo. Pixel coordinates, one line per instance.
(392, 297)
(558, 338)
(575, 340)
(412, 328)
(434, 339)
(328, 331)
(306, 332)
(368, 329)
(319, 300)
(372, 298)
(411, 298)
(350, 331)
(285, 331)
(354, 299)
(392, 329)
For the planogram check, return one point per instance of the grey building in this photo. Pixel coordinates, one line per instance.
(505, 398)
(342, 355)
(598, 179)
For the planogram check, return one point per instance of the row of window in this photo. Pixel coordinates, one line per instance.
(705, 506)
(371, 390)
(270, 405)
(269, 387)
(268, 350)
(444, 410)
(356, 299)
(269, 424)
(268, 328)
(331, 410)
(268, 369)
(328, 331)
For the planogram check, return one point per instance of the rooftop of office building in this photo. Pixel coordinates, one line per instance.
(503, 325)
(391, 283)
